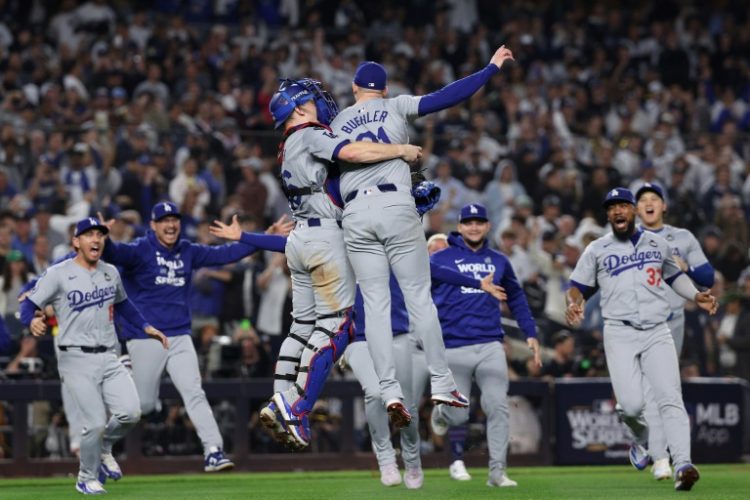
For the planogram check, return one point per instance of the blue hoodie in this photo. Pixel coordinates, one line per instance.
(469, 316)
(157, 279)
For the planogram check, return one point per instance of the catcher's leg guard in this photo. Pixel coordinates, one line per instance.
(328, 342)
(287, 364)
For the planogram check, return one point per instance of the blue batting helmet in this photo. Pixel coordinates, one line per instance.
(293, 93)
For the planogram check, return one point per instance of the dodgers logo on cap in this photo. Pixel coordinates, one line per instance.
(164, 209)
(473, 211)
(619, 194)
(88, 224)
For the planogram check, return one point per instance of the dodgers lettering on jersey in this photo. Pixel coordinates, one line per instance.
(632, 277)
(83, 301)
(376, 120)
(469, 316)
(683, 244)
(307, 155)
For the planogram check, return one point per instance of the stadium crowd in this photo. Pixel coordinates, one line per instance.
(113, 106)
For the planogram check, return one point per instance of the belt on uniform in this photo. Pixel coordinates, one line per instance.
(625, 322)
(85, 348)
(315, 222)
(384, 188)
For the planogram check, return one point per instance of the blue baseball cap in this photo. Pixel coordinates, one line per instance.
(473, 211)
(619, 194)
(164, 209)
(371, 75)
(88, 224)
(649, 187)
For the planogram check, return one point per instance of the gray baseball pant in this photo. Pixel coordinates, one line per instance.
(486, 364)
(97, 383)
(657, 440)
(382, 233)
(149, 359)
(358, 358)
(634, 355)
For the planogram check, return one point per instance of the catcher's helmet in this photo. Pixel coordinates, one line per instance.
(293, 93)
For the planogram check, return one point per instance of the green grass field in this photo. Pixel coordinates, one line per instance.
(549, 483)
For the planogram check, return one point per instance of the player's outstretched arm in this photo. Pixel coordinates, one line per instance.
(574, 312)
(374, 152)
(234, 232)
(685, 289)
(462, 89)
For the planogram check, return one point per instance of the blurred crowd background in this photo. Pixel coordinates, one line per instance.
(113, 106)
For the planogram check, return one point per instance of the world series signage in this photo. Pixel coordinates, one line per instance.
(588, 429)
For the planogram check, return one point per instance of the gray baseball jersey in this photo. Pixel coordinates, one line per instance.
(83, 301)
(376, 120)
(631, 277)
(683, 244)
(307, 154)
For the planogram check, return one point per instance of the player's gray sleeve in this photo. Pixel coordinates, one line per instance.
(684, 287)
(324, 144)
(669, 268)
(407, 105)
(585, 270)
(694, 255)
(46, 288)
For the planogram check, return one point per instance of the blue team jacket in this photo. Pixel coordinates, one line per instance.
(469, 316)
(157, 279)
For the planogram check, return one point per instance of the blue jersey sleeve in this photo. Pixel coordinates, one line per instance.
(129, 310)
(446, 275)
(456, 92)
(205, 255)
(120, 254)
(27, 309)
(271, 242)
(703, 275)
(517, 302)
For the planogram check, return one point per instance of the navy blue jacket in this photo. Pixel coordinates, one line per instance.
(399, 314)
(469, 316)
(157, 279)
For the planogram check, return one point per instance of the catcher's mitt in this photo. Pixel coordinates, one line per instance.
(426, 194)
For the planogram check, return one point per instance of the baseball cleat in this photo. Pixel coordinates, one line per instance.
(685, 477)
(269, 418)
(638, 456)
(390, 475)
(297, 426)
(500, 480)
(215, 461)
(661, 469)
(397, 413)
(413, 478)
(458, 471)
(109, 469)
(439, 424)
(90, 487)
(453, 398)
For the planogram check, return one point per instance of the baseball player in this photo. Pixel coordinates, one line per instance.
(473, 334)
(85, 293)
(157, 270)
(687, 253)
(632, 268)
(357, 356)
(383, 232)
(322, 281)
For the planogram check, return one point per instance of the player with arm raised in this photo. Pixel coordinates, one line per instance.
(322, 280)
(383, 232)
(85, 292)
(632, 268)
(157, 272)
(687, 253)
